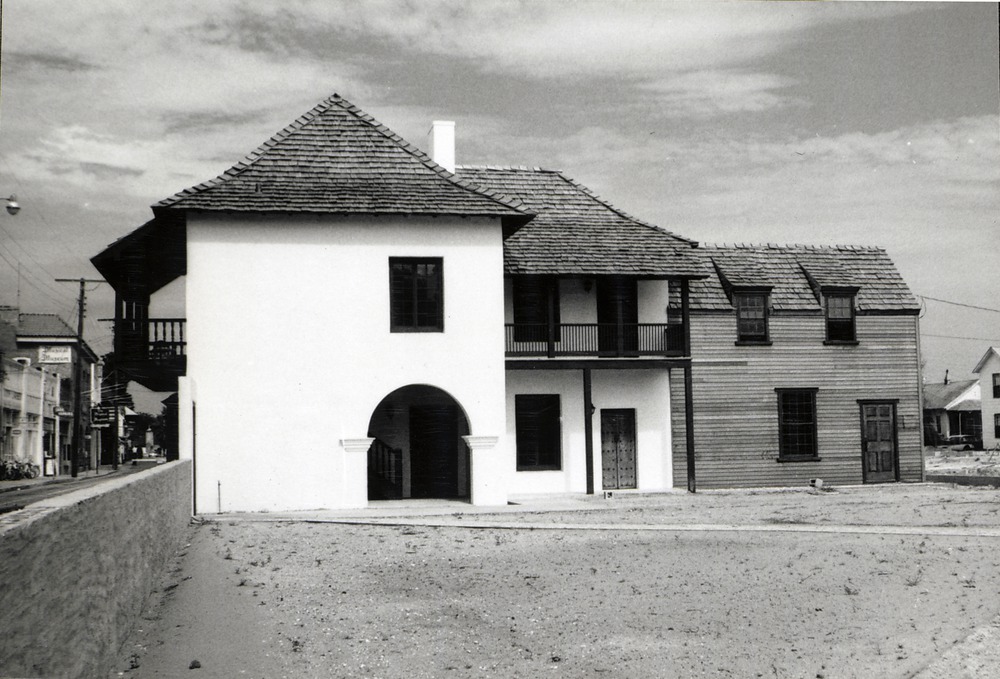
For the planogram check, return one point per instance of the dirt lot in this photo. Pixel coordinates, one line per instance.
(607, 590)
(969, 463)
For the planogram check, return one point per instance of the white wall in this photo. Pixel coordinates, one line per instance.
(290, 350)
(647, 391)
(990, 405)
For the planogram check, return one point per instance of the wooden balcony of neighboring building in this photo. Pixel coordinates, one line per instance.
(595, 340)
(152, 351)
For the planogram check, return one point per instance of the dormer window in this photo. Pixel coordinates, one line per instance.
(751, 317)
(839, 308)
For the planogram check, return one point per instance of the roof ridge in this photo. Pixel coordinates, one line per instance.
(593, 196)
(796, 246)
(508, 168)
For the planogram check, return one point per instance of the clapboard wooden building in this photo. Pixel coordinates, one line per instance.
(805, 366)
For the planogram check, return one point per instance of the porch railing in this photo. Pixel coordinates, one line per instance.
(595, 339)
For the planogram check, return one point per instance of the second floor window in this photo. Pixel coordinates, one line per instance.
(416, 291)
(996, 385)
(751, 317)
(839, 318)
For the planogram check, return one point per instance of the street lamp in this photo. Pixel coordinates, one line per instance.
(12, 205)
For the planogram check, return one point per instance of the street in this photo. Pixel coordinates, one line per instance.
(15, 495)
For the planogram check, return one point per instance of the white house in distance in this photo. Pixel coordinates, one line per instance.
(988, 370)
(365, 322)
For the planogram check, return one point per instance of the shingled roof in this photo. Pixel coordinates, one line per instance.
(797, 275)
(576, 232)
(338, 159)
(939, 396)
(43, 325)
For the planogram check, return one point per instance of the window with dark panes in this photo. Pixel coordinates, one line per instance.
(996, 425)
(416, 288)
(839, 318)
(751, 316)
(538, 431)
(797, 423)
(536, 302)
(996, 385)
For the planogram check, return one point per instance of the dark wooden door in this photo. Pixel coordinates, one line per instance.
(618, 316)
(618, 448)
(434, 451)
(878, 442)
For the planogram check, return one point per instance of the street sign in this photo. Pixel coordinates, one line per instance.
(101, 416)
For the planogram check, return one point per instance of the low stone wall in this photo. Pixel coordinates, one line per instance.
(76, 569)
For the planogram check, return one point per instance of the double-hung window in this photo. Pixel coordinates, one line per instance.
(996, 425)
(416, 290)
(839, 309)
(538, 431)
(751, 317)
(996, 385)
(797, 424)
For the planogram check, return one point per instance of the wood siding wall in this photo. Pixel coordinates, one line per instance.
(735, 405)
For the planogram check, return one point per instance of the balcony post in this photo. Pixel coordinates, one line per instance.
(588, 429)
(686, 316)
(552, 321)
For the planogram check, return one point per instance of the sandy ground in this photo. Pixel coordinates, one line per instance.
(971, 463)
(605, 590)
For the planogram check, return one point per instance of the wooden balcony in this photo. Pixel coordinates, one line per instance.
(602, 340)
(153, 351)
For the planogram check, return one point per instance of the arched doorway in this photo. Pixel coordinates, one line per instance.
(418, 450)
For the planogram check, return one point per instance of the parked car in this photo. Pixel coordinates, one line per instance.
(962, 442)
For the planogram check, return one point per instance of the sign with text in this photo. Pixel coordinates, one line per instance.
(55, 354)
(101, 416)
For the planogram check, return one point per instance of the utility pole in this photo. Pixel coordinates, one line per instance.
(78, 373)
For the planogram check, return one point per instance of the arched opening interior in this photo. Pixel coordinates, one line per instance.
(418, 450)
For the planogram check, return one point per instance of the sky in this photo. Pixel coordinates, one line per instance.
(863, 123)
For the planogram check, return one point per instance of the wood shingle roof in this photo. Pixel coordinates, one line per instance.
(575, 232)
(787, 270)
(338, 159)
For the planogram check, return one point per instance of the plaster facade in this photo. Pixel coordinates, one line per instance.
(284, 432)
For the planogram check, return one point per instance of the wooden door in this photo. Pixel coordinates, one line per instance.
(878, 442)
(433, 451)
(618, 448)
(617, 316)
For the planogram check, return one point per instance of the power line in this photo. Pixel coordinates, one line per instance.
(959, 337)
(968, 306)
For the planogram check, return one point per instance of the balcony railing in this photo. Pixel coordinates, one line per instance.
(166, 339)
(160, 340)
(595, 339)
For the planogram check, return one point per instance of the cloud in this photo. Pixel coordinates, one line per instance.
(83, 160)
(718, 92)
(41, 60)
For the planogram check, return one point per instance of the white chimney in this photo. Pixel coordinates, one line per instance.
(442, 143)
